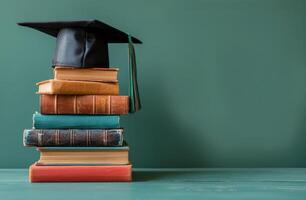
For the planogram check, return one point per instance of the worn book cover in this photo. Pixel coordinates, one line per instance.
(75, 121)
(86, 74)
(115, 173)
(72, 137)
(77, 87)
(84, 104)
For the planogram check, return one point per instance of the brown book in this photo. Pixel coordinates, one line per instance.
(84, 104)
(86, 74)
(77, 87)
(84, 155)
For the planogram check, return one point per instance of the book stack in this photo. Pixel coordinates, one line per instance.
(77, 130)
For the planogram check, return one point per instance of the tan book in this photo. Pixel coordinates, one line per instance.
(86, 74)
(77, 87)
(84, 155)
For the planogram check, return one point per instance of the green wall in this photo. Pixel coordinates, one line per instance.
(223, 82)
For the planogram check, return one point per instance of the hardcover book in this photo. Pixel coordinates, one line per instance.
(75, 121)
(84, 155)
(86, 74)
(84, 104)
(80, 173)
(72, 137)
(77, 87)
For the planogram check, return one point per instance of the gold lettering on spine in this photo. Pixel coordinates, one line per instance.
(39, 138)
(55, 105)
(75, 104)
(87, 137)
(57, 137)
(93, 104)
(109, 105)
(70, 136)
(104, 138)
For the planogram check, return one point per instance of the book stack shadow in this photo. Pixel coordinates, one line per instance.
(77, 130)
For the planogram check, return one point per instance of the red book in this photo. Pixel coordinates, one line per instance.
(114, 173)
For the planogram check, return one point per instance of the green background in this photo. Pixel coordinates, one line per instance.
(222, 81)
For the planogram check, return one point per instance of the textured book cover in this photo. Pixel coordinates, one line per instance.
(84, 104)
(75, 121)
(86, 74)
(72, 137)
(77, 87)
(115, 173)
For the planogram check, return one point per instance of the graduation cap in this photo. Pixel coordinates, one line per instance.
(84, 44)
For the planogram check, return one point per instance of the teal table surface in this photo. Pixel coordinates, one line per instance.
(166, 184)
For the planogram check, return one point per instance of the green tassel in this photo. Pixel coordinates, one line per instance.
(135, 104)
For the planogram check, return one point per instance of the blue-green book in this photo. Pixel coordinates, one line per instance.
(75, 121)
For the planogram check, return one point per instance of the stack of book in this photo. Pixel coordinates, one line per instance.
(77, 131)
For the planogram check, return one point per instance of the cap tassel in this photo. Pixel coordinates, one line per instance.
(135, 104)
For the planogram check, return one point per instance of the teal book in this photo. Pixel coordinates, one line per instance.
(75, 121)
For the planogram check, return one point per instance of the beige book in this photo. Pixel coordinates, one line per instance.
(86, 74)
(83, 156)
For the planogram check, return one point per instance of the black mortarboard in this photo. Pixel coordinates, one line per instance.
(84, 44)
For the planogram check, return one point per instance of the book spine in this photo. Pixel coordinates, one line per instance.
(115, 173)
(72, 137)
(84, 104)
(75, 121)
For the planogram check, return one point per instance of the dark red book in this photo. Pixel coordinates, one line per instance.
(112, 173)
